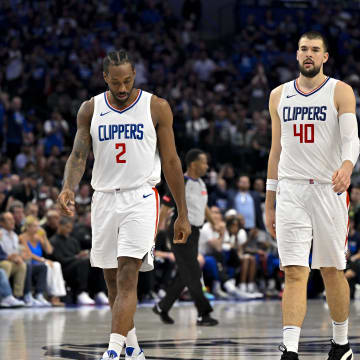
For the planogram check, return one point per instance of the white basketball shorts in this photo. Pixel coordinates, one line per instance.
(124, 223)
(311, 214)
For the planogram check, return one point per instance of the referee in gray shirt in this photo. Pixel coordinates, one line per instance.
(189, 272)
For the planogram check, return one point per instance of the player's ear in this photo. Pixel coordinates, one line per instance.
(105, 76)
(326, 57)
(297, 55)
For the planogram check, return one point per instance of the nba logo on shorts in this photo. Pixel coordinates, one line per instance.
(152, 251)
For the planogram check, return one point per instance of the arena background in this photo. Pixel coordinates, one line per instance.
(215, 62)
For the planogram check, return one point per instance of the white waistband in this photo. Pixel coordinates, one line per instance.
(305, 181)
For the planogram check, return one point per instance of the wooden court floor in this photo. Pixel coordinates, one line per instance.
(247, 330)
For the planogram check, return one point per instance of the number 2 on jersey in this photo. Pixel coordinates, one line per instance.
(122, 152)
(305, 133)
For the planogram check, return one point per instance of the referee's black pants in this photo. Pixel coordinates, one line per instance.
(188, 274)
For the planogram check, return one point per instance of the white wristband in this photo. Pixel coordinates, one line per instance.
(271, 184)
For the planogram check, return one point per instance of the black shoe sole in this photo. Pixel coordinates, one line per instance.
(207, 323)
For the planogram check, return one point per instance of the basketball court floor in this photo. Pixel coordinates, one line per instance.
(247, 330)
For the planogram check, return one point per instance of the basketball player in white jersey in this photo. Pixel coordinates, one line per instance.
(314, 148)
(127, 129)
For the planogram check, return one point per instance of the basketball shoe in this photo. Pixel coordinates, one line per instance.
(206, 320)
(131, 355)
(164, 316)
(110, 354)
(288, 355)
(340, 352)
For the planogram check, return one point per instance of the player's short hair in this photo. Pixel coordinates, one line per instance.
(115, 58)
(192, 155)
(315, 35)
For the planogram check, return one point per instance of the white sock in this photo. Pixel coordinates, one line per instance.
(340, 332)
(291, 336)
(131, 340)
(243, 287)
(116, 343)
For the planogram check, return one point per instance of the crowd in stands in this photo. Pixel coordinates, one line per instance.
(51, 55)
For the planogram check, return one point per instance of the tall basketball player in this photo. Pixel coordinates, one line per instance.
(127, 129)
(314, 148)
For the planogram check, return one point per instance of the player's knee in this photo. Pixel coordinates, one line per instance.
(296, 274)
(111, 283)
(127, 277)
(331, 273)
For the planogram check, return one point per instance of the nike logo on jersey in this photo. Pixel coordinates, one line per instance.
(145, 196)
(289, 96)
(102, 114)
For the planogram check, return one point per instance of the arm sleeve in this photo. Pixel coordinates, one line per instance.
(349, 137)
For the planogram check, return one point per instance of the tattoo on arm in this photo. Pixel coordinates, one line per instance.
(75, 165)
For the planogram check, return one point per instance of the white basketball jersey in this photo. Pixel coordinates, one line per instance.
(310, 134)
(124, 144)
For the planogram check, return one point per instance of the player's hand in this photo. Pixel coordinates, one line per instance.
(342, 177)
(270, 222)
(182, 230)
(66, 198)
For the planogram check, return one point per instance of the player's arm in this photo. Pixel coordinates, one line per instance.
(345, 103)
(171, 165)
(274, 157)
(75, 165)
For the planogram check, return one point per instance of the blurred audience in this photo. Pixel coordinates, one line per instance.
(75, 263)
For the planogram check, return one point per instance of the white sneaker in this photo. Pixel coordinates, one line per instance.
(11, 301)
(243, 287)
(30, 301)
(101, 299)
(257, 295)
(252, 289)
(218, 292)
(130, 354)
(231, 288)
(42, 300)
(110, 354)
(84, 299)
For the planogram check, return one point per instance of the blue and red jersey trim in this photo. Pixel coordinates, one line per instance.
(120, 111)
(296, 86)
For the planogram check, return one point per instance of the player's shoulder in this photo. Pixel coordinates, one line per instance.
(86, 111)
(275, 95)
(158, 102)
(87, 105)
(277, 91)
(160, 110)
(342, 86)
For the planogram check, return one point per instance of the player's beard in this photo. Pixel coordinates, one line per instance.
(309, 73)
(123, 101)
